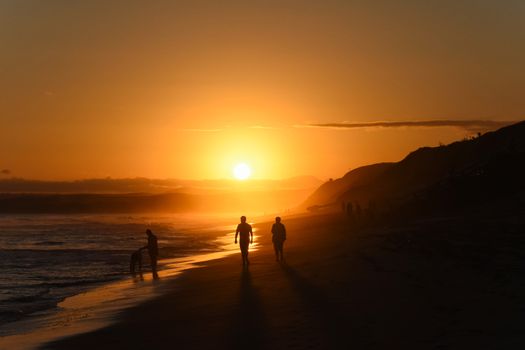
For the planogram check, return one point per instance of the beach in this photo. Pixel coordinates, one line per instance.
(139, 138)
(69, 274)
(416, 285)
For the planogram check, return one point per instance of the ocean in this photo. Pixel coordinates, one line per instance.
(47, 259)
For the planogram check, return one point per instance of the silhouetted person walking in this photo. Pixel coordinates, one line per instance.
(278, 238)
(153, 251)
(244, 230)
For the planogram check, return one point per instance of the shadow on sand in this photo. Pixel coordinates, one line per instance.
(249, 321)
(335, 323)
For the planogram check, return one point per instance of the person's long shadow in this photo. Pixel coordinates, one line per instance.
(325, 311)
(249, 321)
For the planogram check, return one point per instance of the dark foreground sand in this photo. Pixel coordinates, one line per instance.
(451, 283)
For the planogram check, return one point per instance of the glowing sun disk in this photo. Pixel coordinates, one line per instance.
(242, 171)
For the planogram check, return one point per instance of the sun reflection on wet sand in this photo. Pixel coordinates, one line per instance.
(98, 307)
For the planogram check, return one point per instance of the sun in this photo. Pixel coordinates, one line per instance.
(242, 171)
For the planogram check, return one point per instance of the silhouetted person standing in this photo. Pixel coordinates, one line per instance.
(278, 238)
(358, 211)
(371, 210)
(244, 230)
(153, 251)
(349, 209)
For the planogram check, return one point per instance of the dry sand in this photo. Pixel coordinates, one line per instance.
(417, 286)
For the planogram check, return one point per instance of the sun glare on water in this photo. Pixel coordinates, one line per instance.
(242, 171)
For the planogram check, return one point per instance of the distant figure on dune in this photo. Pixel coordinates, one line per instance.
(371, 210)
(349, 209)
(246, 238)
(358, 211)
(278, 238)
(136, 259)
(153, 251)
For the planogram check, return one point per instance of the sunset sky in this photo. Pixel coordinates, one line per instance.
(188, 89)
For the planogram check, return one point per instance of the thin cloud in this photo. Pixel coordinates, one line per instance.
(261, 127)
(468, 125)
(201, 130)
(228, 127)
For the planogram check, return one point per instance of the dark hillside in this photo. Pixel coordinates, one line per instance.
(329, 192)
(485, 166)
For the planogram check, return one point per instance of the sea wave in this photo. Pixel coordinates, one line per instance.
(52, 243)
(47, 259)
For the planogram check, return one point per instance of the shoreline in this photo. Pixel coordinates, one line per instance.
(418, 284)
(259, 254)
(100, 306)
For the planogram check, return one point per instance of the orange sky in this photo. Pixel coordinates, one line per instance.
(187, 89)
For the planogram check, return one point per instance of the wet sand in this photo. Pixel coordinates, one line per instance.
(98, 307)
(442, 284)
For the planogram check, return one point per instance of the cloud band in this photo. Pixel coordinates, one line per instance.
(469, 125)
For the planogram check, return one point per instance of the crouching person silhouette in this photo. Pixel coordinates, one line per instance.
(136, 259)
